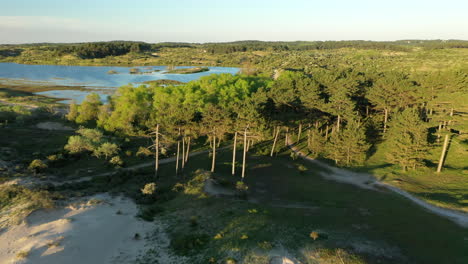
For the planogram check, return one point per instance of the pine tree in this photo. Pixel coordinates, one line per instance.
(349, 146)
(406, 139)
(73, 112)
(316, 142)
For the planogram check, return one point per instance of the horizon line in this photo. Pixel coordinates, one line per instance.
(228, 42)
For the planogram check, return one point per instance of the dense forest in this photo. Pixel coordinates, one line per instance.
(342, 115)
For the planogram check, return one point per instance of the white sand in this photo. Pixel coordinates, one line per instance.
(79, 233)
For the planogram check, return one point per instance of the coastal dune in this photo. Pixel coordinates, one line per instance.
(98, 229)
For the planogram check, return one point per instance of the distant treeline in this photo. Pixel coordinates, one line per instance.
(116, 48)
(102, 49)
(401, 45)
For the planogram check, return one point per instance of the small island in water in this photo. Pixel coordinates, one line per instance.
(188, 70)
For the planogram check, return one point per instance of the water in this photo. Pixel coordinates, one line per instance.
(92, 78)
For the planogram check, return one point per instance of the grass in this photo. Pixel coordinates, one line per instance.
(353, 225)
(447, 189)
(208, 228)
(17, 202)
(370, 226)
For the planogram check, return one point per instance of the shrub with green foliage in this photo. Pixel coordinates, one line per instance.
(149, 189)
(37, 166)
(92, 141)
(106, 149)
(116, 161)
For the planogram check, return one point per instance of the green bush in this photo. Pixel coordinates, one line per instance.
(143, 152)
(116, 161)
(149, 189)
(37, 165)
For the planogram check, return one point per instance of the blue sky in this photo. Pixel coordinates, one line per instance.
(25, 21)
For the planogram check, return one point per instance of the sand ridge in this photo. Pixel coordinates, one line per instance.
(99, 229)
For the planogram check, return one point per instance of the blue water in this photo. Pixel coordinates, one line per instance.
(94, 77)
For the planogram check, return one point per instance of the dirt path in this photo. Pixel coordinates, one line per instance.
(367, 181)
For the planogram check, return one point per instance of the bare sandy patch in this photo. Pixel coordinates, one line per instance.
(99, 229)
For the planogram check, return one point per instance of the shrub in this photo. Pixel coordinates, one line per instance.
(242, 187)
(143, 152)
(314, 235)
(53, 157)
(37, 165)
(230, 261)
(77, 144)
(106, 149)
(301, 168)
(149, 189)
(22, 254)
(116, 161)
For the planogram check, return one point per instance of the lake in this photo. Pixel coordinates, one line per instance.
(93, 78)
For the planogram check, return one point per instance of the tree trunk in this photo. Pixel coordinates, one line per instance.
(367, 110)
(274, 142)
(326, 132)
(234, 154)
(348, 157)
(451, 115)
(338, 124)
(188, 150)
(245, 154)
(156, 153)
(299, 134)
(213, 161)
(286, 137)
(308, 139)
(177, 157)
(385, 120)
(183, 153)
(438, 132)
(442, 155)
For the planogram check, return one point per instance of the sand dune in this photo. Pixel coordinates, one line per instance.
(98, 229)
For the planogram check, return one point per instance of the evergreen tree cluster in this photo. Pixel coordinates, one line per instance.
(340, 114)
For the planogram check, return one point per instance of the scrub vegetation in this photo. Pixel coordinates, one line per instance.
(394, 110)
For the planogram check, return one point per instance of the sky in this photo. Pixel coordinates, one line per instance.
(200, 21)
